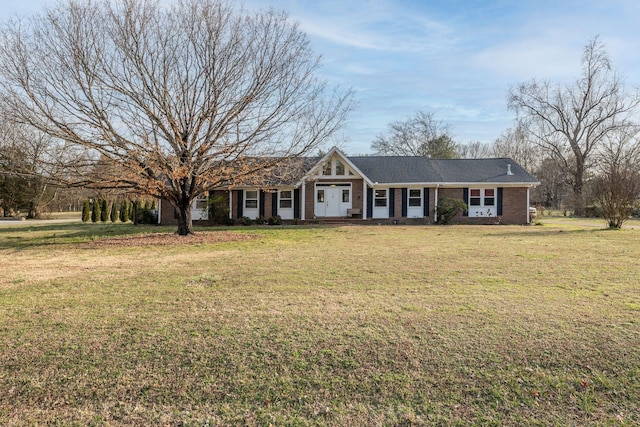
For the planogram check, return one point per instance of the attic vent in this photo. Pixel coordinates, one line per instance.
(509, 169)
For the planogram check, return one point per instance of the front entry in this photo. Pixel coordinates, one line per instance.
(332, 200)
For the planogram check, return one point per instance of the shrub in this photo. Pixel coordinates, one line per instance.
(113, 216)
(124, 211)
(86, 211)
(449, 208)
(219, 210)
(104, 210)
(95, 212)
(245, 220)
(275, 220)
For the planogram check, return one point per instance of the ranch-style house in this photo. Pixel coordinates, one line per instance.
(380, 189)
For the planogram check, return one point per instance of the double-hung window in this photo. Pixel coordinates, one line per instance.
(286, 199)
(380, 198)
(482, 202)
(415, 197)
(251, 199)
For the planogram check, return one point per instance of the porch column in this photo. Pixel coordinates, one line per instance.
(303, 202)
(435, 205)
(528, 202)
(364, 199)
(230, 204)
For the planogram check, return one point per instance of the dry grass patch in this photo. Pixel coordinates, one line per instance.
(164, 239)
(323, 326)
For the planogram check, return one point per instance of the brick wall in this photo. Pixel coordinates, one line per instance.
(514, 206)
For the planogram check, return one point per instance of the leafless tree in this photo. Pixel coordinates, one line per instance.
(617, 186)
(515, 144)
(29, 167)
(173, 99)
(419, 135)
(474, 150)
(569, 123)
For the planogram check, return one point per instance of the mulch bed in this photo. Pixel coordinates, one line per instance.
(166, 239)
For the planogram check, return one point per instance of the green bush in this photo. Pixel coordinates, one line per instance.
(275, 220)
(86, 211)
(95, 212)
(124, 211)
(449, 208)
(104, 210)
(245, 220)
(218, 210)
(113, 216)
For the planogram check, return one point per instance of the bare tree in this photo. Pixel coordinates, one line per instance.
(474, 150)
(617, 186)
(420, 135)
(28, 167)
(569, 123)
(515, 144)
(174, 99)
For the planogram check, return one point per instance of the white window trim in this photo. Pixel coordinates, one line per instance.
(483, 210)
(246, 199)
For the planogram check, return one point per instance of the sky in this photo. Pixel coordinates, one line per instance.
(456, 59)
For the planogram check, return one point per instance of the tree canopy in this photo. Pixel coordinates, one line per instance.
(569, 123)
(419, 135)
(173, 100)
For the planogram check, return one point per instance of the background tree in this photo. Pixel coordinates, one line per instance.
(569, 123)
(28, 167)
(474, 150)
(617, 186)
(420, 135)
(515, 144)
(171, 100)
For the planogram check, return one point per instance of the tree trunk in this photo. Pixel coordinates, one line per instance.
(578, 196)
(185, 224)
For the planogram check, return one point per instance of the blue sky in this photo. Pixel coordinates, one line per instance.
(456, 59)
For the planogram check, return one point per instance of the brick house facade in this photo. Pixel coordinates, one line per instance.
(381, 189)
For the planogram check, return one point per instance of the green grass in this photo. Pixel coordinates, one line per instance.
(370, 325)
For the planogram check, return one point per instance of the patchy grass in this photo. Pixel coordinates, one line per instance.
(321, 326)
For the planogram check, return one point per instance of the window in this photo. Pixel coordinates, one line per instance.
(339, 168)
(482, 197)
(345, 196)
(320, 196)
(415, 197)
(286, 199)
(380, 198)
(251, 199)
(474, 197)
(489, 197)
(201, 203)
(326, 169)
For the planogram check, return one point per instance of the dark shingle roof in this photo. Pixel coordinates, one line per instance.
(401, 169)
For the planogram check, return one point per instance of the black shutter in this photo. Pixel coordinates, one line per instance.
(296, 203)
(369, 202)
(426, 203)
(274, 203)
(465, 198)
(404, 202)
(262, 197)
(240, 193)
(392, 202)
(500, 201)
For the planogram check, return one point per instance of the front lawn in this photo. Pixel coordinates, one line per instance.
(354, 325)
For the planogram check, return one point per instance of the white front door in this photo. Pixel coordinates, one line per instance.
(332, 200)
